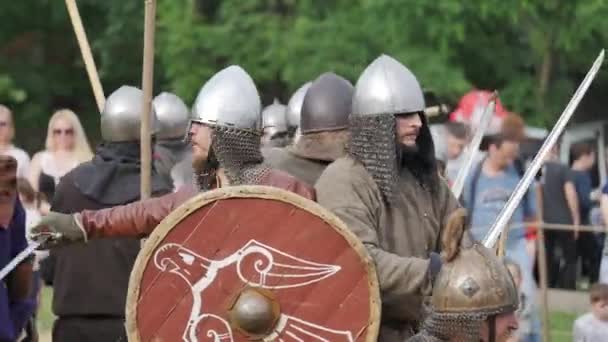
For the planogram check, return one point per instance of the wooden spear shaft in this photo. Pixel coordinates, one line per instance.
(147, 85)
(543, 275)
(87, 56)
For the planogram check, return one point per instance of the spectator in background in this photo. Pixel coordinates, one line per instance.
(560, 206)
(457, 137)
(450, 140)
(593, 326)
(582, 157)
(603, 276)
(66, 146)
(15, 306)
(7, 134)
(487, 191)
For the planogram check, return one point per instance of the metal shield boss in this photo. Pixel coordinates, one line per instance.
(252, 263)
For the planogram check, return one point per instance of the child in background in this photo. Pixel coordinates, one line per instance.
(524, 313)
(593, 326)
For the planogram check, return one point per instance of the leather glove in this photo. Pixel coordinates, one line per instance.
(56, 229)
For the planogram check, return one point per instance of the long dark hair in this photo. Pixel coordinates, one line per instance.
(422, 163)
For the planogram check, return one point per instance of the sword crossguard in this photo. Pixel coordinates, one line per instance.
(45, 236)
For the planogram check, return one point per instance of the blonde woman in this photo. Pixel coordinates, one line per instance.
(66, 147)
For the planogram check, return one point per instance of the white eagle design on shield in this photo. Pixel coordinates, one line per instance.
(272, 269)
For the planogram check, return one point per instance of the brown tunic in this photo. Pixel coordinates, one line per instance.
(398, 236)
(139, 219)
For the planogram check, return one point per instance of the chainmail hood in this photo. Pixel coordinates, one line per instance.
(465, 326)
(238, 152)
(373, 143)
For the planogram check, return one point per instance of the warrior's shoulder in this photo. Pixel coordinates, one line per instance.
(285, 181)
(345, 169)
(275, 154)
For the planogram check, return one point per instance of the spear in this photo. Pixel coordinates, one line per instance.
(87, 56)
(147, 85)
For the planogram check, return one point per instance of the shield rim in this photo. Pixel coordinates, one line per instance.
(248, 191)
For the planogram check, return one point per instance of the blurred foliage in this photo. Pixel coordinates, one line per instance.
(534, 52)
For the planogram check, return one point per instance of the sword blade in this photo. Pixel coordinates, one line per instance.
(19, 258)
(503, 218)
(473, 147)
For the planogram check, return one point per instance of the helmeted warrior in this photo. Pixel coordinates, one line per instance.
(87, 309)
(474, 297)
(388, 192)
(323, 131)
(294, 109)
(274, 125)
(173, 158)
(224, 132)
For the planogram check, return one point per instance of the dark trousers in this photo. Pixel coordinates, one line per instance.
(561, 259)
(590, 251)
(80, 329)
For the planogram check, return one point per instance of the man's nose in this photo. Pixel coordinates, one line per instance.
(417, 122)
(193, 128)
(513, 323)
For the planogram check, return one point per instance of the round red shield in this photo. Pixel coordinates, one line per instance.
(252, 263)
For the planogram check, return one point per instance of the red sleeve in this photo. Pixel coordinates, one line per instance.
(137, 219)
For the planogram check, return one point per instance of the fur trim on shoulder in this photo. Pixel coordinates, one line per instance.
(326, 146)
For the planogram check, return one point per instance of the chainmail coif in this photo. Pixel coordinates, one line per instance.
(238, 152)
(373, 144)
(461, 327)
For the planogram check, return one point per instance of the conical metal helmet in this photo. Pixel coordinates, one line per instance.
(121, 115)
(173, 116)
(475, 282)
(294, 106)
(327, 104)
(274, 118)
(387, 87)
(229, 99)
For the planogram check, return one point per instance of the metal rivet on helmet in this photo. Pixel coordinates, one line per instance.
(476, 281)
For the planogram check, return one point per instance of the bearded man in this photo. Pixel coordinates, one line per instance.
(225, 136)
(388, 192)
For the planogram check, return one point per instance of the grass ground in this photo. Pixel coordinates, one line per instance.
(561, 326)
(560, 322)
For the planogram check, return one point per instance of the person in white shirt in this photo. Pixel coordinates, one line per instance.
(451, 140)
(7, 134)
(593, 326)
